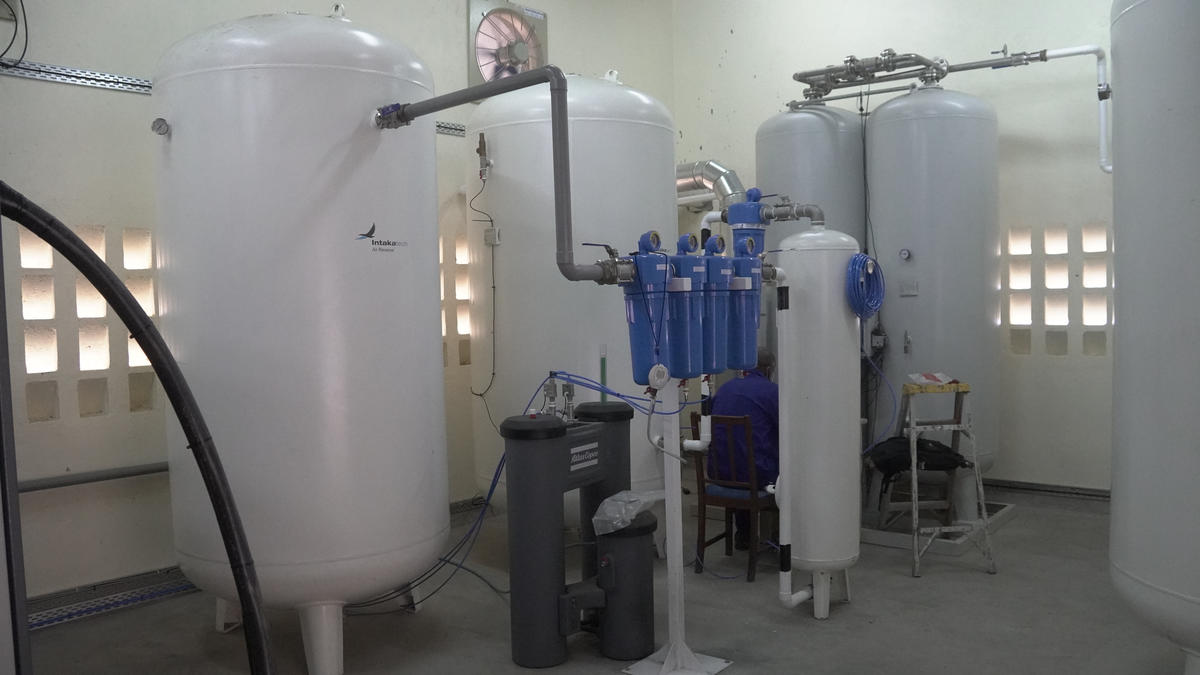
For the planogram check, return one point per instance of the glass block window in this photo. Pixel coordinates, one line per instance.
(455, 257)
(74, 348)
(1058, 281)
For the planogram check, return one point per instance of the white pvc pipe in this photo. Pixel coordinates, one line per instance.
(786, 596)
(701, 444)
(1101, 83)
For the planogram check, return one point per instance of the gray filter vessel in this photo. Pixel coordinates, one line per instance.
(547, 456)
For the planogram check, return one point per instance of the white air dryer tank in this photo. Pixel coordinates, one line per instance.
(932, 182)
(298, 287)
(819, 423)
(1154, 548)
(622, 184)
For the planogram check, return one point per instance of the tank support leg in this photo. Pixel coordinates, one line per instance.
(321, 628)
(821, 582)
(841, 586)
(229, 615)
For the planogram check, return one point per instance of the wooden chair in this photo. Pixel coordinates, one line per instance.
(730, 495)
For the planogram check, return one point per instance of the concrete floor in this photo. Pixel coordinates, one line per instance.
(1050, 609)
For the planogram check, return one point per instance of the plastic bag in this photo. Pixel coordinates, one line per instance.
(619, 510)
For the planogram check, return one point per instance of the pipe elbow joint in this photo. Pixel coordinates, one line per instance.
(789, 599)
(602, 272)
(815, 214)
(556, 78)
(710, 175)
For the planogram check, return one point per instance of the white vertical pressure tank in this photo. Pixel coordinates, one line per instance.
(298, 288)
(819, 421)
(932, 182)
(1155, 542)
(622, 184)
(814, 155)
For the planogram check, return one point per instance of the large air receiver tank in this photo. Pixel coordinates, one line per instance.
(298, 287)
(813, 154)
(1155, 544)
(932, 182)
(622, 184)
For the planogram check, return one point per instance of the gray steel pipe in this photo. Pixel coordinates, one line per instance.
(87, 477)
(796, 105)
(1017, 59)
(816, 73)
(861, 69)
(794, 212)
(710, 176)
(902, 60)
(401, 114)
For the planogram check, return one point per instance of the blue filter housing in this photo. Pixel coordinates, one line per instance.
(646, 307)
(745, 292)
(714, 325)
(685, 310)
(745, 289)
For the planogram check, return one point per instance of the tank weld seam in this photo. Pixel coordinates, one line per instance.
(879, 123)
(573, 120)
(261, 565)
(1160, 589)
(1127, 10)
(284, 66)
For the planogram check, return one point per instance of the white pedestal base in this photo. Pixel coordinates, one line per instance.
(321, 628)
(677, 659)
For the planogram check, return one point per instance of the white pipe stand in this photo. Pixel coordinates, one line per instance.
(674, 658)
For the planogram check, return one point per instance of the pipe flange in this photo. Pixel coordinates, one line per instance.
(616, 271)
(625, 270)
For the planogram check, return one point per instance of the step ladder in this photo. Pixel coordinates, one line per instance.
(960, 427)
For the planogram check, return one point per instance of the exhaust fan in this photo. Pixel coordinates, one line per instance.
(503, 39)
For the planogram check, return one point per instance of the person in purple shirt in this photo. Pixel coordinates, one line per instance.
(753, 394)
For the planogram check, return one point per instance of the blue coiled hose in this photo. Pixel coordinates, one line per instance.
(864, 285)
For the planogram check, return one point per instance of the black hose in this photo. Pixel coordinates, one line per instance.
(14, 205)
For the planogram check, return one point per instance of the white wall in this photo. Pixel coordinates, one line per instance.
(734, 71)
(86, 155)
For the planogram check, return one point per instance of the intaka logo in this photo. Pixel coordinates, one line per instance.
(380, 245)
